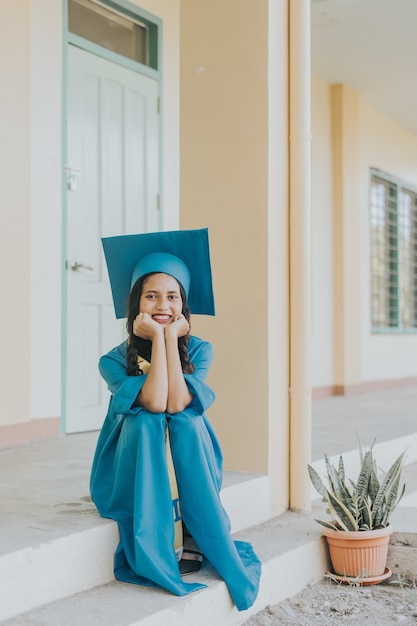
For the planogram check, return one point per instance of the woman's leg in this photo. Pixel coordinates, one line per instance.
(197, 467)
(140, 501)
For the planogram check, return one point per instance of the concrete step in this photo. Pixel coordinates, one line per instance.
(72, 550)
(290, 547)
(56, 553)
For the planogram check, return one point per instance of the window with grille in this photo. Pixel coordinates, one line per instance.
(393, 220)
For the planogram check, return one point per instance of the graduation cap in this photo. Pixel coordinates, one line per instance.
(183, 254)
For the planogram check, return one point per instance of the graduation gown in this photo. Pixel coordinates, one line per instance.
(130, 483)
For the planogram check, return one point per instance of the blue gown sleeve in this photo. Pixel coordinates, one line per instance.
(124, 388)
(201, 355)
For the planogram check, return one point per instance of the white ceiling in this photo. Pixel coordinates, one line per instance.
(371, 45)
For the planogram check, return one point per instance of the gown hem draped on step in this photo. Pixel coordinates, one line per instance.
(130, 483)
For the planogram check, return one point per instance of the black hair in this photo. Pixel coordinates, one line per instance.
(137, 346)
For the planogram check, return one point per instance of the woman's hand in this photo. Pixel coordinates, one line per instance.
(154, 393)
(178, 394)
(145, 327)
(179, 327)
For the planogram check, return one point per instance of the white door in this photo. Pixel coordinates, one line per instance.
(112, 180)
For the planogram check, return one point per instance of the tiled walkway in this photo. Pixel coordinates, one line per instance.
(381, 415)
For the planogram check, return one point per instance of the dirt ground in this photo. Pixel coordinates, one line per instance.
(329, 603)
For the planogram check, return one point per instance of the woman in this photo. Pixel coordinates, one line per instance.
(156, 379)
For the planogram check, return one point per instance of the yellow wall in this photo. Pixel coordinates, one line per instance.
(15, 211)
(224, 186)
(229, 178)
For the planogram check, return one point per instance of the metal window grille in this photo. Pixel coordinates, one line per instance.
(393, 221)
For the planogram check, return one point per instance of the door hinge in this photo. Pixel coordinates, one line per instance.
(158, 105)
(158, 201)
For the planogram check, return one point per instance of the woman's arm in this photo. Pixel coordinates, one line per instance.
(154, 394)
(179, 396)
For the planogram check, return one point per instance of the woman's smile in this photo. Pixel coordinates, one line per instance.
(161, 298)
(161, 319)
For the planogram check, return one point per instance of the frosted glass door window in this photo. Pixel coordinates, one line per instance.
(109, 29)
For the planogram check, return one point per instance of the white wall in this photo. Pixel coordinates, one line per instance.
(322, 237)
(46, 208)
(14, 211)
(387, 146)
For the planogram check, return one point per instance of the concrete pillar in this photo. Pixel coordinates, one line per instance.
(300, 253)
(347, 247)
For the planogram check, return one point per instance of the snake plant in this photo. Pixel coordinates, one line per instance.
(362, 505)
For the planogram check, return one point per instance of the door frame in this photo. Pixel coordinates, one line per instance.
(155, 23)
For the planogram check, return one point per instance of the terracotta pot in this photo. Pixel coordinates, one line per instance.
(358, 553)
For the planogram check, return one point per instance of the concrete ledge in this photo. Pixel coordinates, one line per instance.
(74, 561)
(40, 574)
(246, 498)
(293, 555)
(402, 557)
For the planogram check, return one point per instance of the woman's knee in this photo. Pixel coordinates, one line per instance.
(147, 421)
(186, 422)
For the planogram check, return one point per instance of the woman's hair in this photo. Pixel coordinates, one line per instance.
(134, 343)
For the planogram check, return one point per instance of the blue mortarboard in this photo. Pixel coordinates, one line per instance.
(183, 254)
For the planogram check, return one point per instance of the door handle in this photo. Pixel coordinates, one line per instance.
(75, 266)
(72, 173)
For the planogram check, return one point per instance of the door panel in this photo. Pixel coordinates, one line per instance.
(112, 148)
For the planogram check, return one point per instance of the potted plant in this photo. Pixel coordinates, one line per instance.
(358, 532)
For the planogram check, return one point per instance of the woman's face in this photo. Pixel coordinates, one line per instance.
(161, 298)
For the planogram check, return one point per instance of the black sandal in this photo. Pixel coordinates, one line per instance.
(191, 558)
(190, 562)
